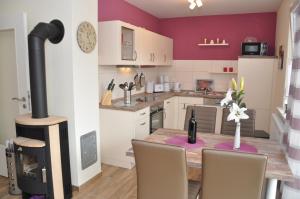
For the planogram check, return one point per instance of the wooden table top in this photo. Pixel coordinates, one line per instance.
(277, 165)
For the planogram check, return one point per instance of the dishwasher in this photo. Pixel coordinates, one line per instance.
(156, 117)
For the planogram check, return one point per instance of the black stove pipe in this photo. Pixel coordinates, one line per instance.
(54, 31)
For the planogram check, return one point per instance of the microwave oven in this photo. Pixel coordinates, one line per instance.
(254, 48)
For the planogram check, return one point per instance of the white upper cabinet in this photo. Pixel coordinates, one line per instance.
(121, 43)
(117, 43)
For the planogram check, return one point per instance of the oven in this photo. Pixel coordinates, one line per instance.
(156, 117)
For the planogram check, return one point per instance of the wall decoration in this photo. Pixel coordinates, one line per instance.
(86, 37)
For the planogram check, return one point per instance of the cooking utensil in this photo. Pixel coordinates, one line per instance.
(122, 86)
(131, 86)
(126, 86)
(137, 82)
(142, 80)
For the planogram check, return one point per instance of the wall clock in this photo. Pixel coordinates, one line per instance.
(86, 37)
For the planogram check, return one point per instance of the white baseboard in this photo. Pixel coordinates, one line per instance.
(3, 166)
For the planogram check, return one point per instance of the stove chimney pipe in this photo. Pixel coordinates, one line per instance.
(54, 31)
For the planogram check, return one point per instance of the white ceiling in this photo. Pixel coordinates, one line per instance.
(179, 8)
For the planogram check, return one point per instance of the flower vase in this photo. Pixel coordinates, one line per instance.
(237, 137)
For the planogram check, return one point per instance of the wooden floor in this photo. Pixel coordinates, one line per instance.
(114, 183)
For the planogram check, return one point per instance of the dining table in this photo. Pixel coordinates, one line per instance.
(277, 165)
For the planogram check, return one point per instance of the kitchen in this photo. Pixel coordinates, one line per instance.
(167, 83)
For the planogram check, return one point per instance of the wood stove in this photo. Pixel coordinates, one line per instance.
(41, 145)
(42, 157)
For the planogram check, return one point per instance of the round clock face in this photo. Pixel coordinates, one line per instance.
(86, 37)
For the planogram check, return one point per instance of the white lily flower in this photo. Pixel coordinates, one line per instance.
(237, 113)
(228, 98)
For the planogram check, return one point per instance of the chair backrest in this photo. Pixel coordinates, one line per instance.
(161, 171)
(232, 175)
(247, 126)
(205, 117)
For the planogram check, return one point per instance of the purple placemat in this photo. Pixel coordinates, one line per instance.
(243, 147)
(183, 142)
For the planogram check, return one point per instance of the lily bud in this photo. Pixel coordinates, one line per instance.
(242, 84)
(234, 84)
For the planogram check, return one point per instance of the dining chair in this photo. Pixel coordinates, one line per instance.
(162, 172)
(232, 175)
(247, 126)
(205, 118)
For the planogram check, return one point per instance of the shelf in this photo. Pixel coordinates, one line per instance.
(226, 44)
(229, 73)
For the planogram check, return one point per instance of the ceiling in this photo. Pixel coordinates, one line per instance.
(179, 8)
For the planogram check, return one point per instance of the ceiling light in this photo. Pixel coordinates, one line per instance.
(192, 5)
(199, 3)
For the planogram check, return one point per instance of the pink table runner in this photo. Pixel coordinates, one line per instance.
(229, 146)
(183, 142)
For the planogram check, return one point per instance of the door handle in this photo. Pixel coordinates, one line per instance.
(23, 99)
(44, 175)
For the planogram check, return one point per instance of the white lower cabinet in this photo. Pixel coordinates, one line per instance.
(183, 103)
(171, 113)
(117, 129)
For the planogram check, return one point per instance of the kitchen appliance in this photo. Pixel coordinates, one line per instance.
(150, 87)
(176, 87)
(158, 88)
(254, 48)
(156, 117)
(167, 87)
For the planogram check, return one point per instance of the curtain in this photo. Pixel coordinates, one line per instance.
(291, 190)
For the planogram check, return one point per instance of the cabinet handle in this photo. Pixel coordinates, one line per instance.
(150, 57)
(135, 55)
(184, 107)
(165, 57)
(44, 175)
(144, 113)
(168, 102)
(142, 124)
(153, 57)
(165, 114)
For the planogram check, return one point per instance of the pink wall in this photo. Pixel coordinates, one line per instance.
(189, 31)
(121, 10)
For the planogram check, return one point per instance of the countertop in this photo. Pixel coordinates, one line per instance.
(117, 104)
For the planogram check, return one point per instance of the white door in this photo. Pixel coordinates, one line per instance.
(14, 76)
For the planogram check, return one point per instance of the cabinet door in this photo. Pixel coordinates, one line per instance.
(144, 46)
(117, 43)
(169, 52)
(181, 115)
(142, 128)
(170, 114)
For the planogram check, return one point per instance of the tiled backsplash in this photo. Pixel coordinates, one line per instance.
(121, 75)
(184, 71)
(187, 71)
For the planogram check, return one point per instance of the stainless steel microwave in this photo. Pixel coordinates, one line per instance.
(254, 48)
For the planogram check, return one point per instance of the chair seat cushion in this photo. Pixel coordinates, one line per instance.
(194, 189)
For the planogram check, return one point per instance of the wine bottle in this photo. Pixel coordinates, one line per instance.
(192, 131)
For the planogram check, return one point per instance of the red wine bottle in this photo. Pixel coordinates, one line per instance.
(192, 131)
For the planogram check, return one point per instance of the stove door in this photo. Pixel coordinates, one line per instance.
(31, 169)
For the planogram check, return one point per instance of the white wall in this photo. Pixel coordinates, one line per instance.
(85, 76)
(72, 84)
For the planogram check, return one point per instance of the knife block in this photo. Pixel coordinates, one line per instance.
(106, 98)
